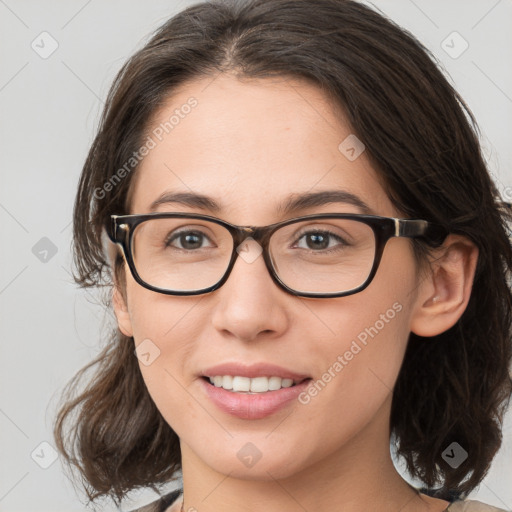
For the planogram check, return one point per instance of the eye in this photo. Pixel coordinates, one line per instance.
(188, 239)
(320, 239)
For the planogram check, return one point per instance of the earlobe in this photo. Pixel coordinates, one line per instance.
(444, 295)
(121, 311)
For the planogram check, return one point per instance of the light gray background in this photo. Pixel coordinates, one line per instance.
(49, 110)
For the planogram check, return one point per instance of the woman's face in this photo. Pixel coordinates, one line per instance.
(250, 146)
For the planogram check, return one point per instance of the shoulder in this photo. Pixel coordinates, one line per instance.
(162, 504)
(472, 506)
(457, 504)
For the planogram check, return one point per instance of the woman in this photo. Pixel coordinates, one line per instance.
(308, 258)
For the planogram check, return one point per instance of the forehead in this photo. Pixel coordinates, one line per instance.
(250, 144)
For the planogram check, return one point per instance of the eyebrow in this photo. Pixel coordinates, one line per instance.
(293, 203)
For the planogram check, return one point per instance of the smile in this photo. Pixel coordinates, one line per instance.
(239, 384)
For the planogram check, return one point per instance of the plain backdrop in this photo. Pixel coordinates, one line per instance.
(50, 105)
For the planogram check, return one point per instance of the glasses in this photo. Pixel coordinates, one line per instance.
(322, 255)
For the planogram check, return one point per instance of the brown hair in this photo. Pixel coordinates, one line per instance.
(422, 140)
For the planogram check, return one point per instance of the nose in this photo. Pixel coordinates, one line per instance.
(250, 304)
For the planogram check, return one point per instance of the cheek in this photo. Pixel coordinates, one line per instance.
(369, 334)
(165, 329)
(157, 316)
(353, 386)
(366, 354)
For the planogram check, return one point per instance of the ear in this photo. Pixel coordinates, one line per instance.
(444, 293)
(120, 304)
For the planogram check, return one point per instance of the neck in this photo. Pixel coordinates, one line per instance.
(359, 476)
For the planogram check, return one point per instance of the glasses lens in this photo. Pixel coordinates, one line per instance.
(323, 255)
(181, 254)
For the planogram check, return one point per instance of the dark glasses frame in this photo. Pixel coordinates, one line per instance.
(122, 228)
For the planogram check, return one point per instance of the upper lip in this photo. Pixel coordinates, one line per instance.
(253, 370)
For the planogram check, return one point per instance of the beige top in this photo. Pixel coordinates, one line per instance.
(472, 506)
(458, 506)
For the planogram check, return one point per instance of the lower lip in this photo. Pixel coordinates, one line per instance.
(252, 406)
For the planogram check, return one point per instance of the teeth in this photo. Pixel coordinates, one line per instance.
(246, 385)
(240, 383)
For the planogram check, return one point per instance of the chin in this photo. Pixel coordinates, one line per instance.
(263, 470)
(249, 457)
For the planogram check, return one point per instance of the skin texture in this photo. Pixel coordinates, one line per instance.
(245, 141)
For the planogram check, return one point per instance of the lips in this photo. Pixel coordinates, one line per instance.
(246, 402)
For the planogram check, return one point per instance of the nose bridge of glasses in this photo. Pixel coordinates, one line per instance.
(258, 234)
(249, 252)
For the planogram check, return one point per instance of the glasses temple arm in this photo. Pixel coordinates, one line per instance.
(415, 228)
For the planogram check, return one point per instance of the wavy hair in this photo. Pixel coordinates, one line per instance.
(424, 143)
